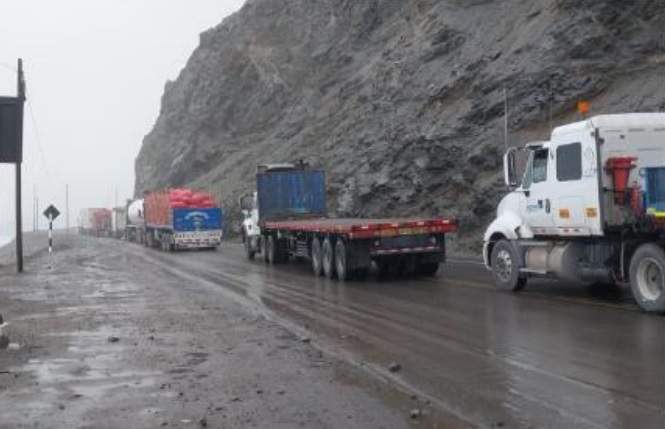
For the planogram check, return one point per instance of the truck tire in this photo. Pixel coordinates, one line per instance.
(328, 259)
(248, 248)
(317, 262)
(271, 251)
(341, 265)
(265, 249)
(647, 278)
(428, 269)
(505, 268)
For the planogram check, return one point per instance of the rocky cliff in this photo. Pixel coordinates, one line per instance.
(401, 101)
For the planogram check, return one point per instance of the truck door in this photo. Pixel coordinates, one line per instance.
(537, 189)
(575, 193)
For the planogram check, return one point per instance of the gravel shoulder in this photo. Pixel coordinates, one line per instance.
(102, 340)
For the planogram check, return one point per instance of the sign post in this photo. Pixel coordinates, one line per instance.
(11, 149)
(51, 213)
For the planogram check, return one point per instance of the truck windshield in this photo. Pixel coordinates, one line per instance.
(535, 170)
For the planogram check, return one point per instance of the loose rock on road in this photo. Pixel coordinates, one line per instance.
(554, 356)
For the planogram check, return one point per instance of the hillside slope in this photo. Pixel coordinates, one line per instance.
(400, 101)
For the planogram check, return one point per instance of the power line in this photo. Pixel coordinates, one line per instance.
(42, 157)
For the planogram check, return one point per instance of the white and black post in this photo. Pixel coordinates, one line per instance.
(50, 213)
(50, 240)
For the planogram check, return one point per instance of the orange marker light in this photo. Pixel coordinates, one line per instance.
(583, 107)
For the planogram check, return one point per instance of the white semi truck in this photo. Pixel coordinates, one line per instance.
(590, 207)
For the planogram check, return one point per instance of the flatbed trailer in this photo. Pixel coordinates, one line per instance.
(287, 219)
(345, 248)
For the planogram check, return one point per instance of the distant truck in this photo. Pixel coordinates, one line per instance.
(97, 222)
(589, 208)
(287, 217)
(176, 219)
(135, 221)
(119, 222)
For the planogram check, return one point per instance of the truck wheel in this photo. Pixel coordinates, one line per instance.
(341, 266)
(248, 249)
(428, 269)
(647, 278)
(328, 259)
(265, 249)
(317, 262)
(271, 251)
(504, 266)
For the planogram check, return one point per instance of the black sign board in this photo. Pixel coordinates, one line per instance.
(10, 115)
(51, 212)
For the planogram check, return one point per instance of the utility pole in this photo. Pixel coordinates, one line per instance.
(505, 119)
(19, 134)
(67, 207)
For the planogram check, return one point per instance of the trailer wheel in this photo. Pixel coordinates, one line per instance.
(317, 261)
(504, 266)
(647, 278)
(328, 259)
(428, 269)
(341, 266)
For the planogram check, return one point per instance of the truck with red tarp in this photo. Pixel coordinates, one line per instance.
(177, 219)
(287, 218)
(96, 222)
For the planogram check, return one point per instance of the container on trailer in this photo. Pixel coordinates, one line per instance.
(119, 221)
(102, 220)
(85, 219)
(294, 194)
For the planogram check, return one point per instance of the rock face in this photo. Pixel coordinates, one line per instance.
(401, 102)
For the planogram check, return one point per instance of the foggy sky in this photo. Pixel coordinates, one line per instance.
(95, 72)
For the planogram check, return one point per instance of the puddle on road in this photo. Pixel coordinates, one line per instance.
(91, 368)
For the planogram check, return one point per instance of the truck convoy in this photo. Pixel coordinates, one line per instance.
(177, 219)
(95, 222)
(590, 207)
(287, 217)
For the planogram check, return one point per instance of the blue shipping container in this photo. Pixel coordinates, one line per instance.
(197, 219)
(655, 192)
(291, 194)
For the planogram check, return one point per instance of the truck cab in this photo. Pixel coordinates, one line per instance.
(587, 201)
(249, 206)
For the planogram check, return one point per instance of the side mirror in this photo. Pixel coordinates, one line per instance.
(510, 169)
(246, 204)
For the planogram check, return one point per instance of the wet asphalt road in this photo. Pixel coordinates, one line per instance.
(555, 355)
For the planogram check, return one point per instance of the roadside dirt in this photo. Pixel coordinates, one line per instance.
(102, 340)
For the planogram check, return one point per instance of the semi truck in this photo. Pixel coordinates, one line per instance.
(287, 218)
(95, 222)
(177, 219)
(589, 208)
(119, 224)
(135, 222)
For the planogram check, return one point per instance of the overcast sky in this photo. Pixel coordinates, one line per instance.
(95, 72)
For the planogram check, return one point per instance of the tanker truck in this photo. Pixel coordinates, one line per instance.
(589, 208)
(135, 223)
